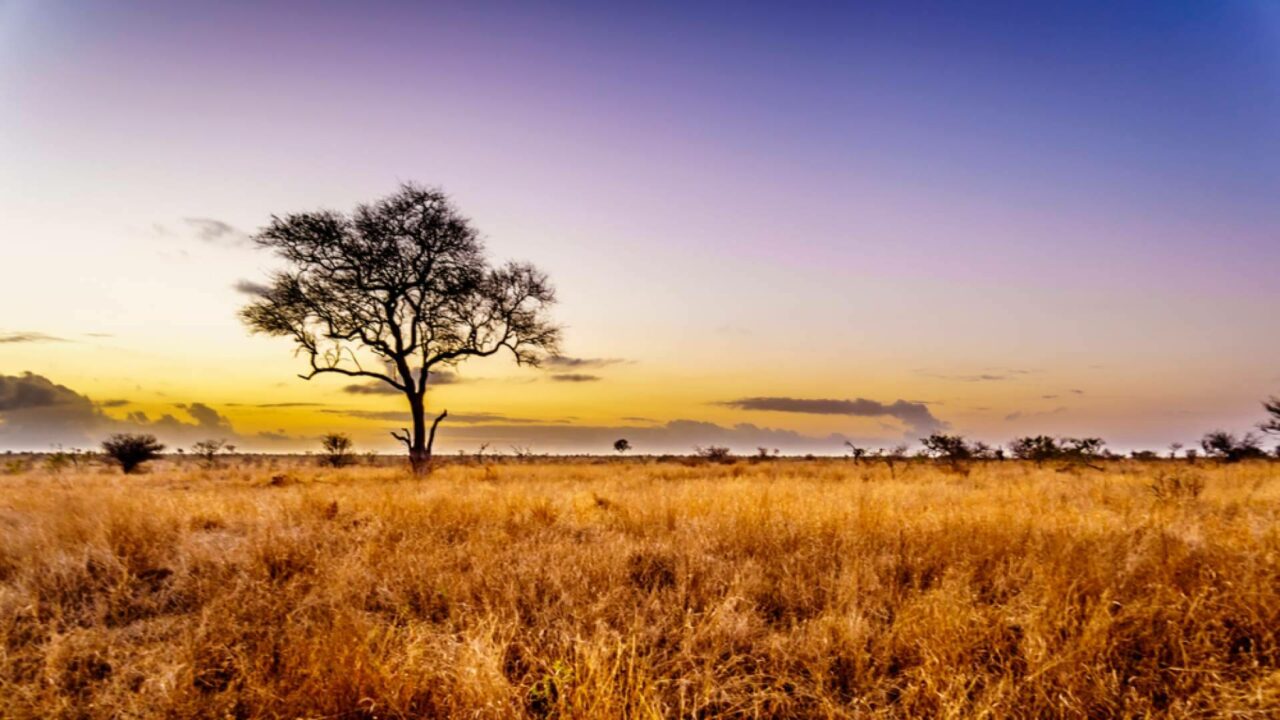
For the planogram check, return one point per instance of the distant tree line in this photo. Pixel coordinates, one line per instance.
(130, 451)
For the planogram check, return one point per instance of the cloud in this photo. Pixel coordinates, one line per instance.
(676, 436)
(476, 418)
(575, 377)
(217, 232)
(373, 387)
(277, 405)
(1048, 397)
(113, 403)
(384, 415)
(565, 362)
(1077, 392)
(1021, 415)
(37, 413)
(378, 387)
(997, 375)
(279, 436)
(28, 337)
(206, 417)
(249, 287)
(917, 417)
(29, 391)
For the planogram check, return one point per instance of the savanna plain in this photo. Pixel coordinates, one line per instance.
(594, 588)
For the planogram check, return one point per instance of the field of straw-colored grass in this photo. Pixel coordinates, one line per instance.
(642, 589)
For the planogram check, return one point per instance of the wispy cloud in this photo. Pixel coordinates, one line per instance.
(383, 415)
(575, 377)
(277, 405)
(676, 436)
(1023, 415)
(915, 415)
(251, 288)
(990, 375)
(565, 362)
(475, 418)
(217, 232)
(29, 337)
(378, 387)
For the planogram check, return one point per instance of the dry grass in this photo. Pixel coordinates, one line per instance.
(778, 589)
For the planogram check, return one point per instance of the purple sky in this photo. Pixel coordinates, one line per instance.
(885, 201)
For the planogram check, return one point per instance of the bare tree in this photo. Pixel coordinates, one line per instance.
(395, 289)
(1228, 448)
(207, 451)
(1272, 424)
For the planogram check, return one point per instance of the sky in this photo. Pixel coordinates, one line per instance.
(779, 226)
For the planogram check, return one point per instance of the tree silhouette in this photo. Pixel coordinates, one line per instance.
(207, 451)
(1228, 448)
(1272, 424)
(337, 449)
(395, 289)
(130, 451)
(952, 448)
(621, 445)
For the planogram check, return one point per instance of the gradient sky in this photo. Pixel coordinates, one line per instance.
(1002, 218)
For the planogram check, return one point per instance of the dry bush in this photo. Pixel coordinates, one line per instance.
(641, 589)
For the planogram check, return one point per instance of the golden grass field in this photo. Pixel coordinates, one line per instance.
(642, 589)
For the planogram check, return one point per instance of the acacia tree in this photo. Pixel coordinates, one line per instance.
(1272, 424)
(395, 289)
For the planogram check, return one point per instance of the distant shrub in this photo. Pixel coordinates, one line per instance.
(714, 453)
(130, 451)
(951, 448)
(1143, 455)
(621, 445)
(207, 451)
(337, 450)
(892, 456)
(764, 453)
(1272, 424)
(1042, 448)
(1226, 447)
(1038, 448)
(983, 451)
(57, 461)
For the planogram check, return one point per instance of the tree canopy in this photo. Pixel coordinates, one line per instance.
(394, 289)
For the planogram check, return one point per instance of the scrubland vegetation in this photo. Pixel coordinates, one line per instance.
(634, 588)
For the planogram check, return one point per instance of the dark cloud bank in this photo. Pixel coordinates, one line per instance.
(916, 416)
(36, 414)
(675, 437)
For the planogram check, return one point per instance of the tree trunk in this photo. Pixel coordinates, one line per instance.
(421, 445)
